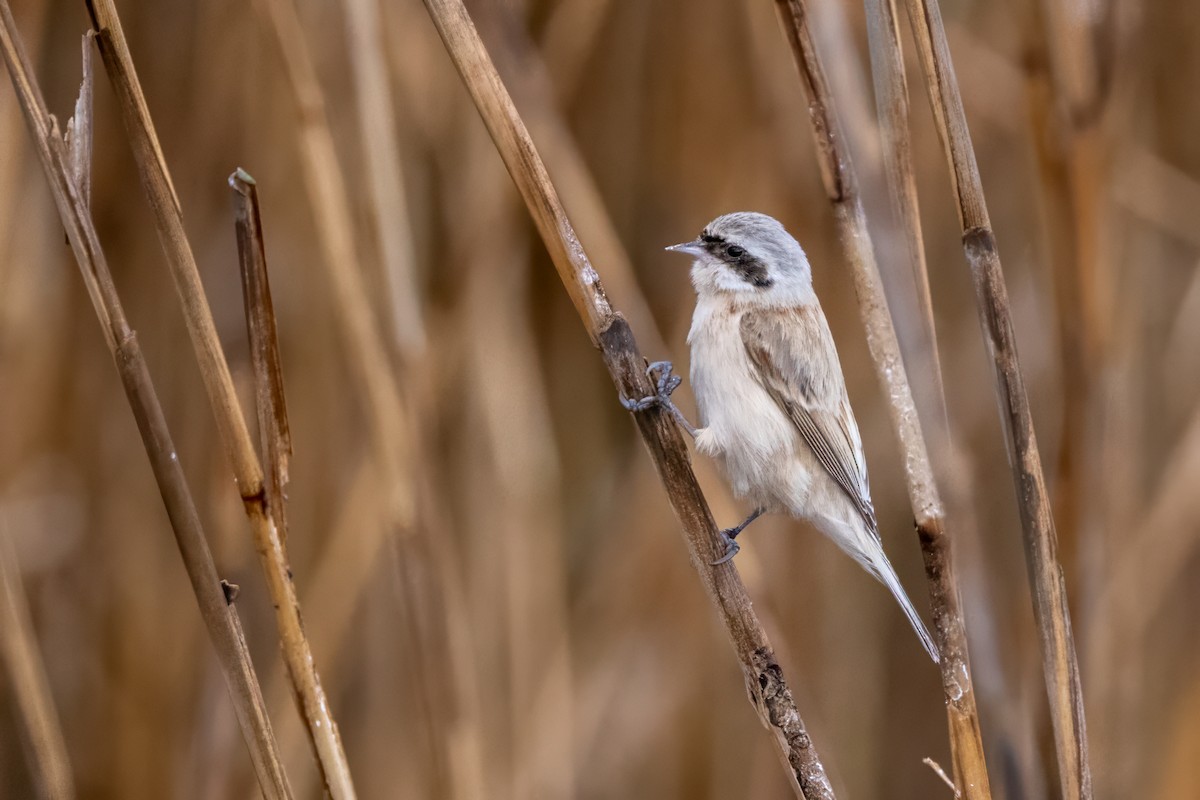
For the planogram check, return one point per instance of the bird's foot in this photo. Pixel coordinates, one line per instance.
(731, 546)
(665, 383)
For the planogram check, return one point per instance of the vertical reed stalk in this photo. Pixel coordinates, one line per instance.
(769, 691)
(1059, 664)
(270, 401)
(841, 185)
(216, 608)
(231, 422)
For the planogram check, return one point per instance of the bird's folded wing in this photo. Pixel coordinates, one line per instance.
(794, 358)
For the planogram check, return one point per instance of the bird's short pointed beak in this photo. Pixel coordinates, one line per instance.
(695, 248)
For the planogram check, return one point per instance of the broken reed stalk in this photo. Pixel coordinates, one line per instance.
(608, 330)
(220, 617)
(267, 507)
(270, 402)
(231, 422)
(79, 129)
(28, 684)
(1053, 617)
(841, 185)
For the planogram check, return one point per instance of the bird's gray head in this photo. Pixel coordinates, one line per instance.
(746, 253)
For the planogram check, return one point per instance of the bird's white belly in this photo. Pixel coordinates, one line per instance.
(741, 425)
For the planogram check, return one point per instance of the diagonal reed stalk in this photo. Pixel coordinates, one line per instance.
(841, 185)
(608, 330)
(217, 611)
(1053, 617)
(231, 422)
(29, 686)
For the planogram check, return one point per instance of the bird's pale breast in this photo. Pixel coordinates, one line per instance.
(741, 425)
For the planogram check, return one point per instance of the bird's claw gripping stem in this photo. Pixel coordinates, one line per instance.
(731, 548)
(665, 383)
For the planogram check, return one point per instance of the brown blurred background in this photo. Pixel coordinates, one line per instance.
(549, 639)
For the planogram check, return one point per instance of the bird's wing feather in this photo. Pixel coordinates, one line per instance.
(795, 361)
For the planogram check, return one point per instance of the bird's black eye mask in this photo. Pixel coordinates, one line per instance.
(749, 268)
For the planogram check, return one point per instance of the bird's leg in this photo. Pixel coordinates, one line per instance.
(664, 383)
(729, 535)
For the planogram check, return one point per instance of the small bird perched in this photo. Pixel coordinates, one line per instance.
(769, 387)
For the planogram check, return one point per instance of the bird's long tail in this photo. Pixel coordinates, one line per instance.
(887, 576)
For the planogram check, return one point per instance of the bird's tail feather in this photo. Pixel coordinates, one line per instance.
(883, 570)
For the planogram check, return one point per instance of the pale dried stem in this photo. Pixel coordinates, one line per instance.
(891, 97)
(609, 331)
(1059, 663)
(385, 178)
(29, 686)
(219, 615)
(231, 422)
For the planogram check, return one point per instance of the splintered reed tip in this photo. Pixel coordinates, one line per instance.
(241, 176)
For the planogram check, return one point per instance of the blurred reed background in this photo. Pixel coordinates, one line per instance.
(492, 582)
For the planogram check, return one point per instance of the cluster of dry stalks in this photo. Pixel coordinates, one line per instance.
(443, 482)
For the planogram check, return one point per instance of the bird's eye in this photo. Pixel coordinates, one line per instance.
(733, 251)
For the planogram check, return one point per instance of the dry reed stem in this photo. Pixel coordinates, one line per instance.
(385, 178)
(608, 330)
(29, 685)
(230, 420)
(841, 185)
(269, 536)
(1059, 663)
(218, 613)
(270, 401)
(891, 98)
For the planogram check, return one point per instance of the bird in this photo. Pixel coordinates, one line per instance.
(774, 412)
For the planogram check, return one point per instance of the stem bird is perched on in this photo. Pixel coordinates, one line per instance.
(771, 394)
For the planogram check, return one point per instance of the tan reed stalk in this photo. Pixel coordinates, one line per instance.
(216, 608)
(841, 185)
(391, 407)
(28, 684)
(1053, 617)
(277, 447)
(891, 99)
(231, 422)
(608, 330)
(385, 178)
